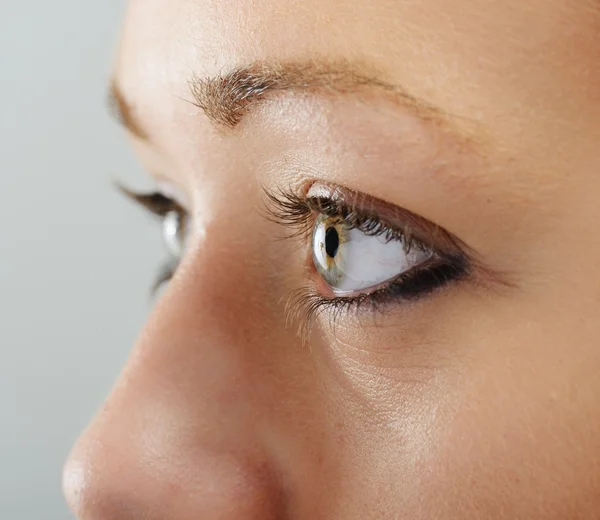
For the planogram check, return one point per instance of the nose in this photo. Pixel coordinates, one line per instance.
(101, 483)
(182, 435)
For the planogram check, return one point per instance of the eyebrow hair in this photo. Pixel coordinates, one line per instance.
(226, 98)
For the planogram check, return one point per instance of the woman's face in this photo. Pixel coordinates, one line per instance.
(439, 160)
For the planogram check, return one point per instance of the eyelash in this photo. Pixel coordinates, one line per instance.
(166, 271)
(298, 213)
(159, 205)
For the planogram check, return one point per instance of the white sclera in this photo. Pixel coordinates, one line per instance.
(173, 234)
(363, 261)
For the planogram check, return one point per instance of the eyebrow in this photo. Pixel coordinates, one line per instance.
(227, 98)
(123, 111)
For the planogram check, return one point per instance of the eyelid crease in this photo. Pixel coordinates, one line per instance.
(409, 226)
(292, 209)
(295, 211)
(415, 227)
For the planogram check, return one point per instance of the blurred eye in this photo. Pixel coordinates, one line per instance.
(351, 260)
(175, 221)
(175, 232)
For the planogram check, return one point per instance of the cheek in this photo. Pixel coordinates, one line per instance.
(514, 455)
(517, 434)
(504, 427)
(384, 392)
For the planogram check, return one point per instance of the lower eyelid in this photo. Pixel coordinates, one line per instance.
(439, 272)
(165, 272)
(302, 212)
(307, 304)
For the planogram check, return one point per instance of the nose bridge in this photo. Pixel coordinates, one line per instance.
(181, 429)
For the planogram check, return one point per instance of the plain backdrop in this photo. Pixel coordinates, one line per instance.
(76, 259)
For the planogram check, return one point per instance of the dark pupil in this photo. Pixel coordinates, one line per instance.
(332, 242)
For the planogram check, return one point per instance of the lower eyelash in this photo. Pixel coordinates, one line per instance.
(165, 272)
(305, 305)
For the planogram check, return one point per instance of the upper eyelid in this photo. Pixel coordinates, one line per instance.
(293, 209)
(393, 216)
(296, 210)
(424, 231)
(396, 218)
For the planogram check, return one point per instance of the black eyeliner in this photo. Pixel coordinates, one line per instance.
(298, 213)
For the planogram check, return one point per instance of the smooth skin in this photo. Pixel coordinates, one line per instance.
(479, 401)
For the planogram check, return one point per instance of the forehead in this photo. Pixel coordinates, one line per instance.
(506, 63)
(261, 29)
(442, 49)
(527, 71)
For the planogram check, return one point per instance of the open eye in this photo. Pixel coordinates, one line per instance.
(364, 252)
(354, 261)
(175, 232)
(175, 221)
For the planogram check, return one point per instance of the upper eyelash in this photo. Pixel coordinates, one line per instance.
(155, 202)
(296, 212)
(288, 209)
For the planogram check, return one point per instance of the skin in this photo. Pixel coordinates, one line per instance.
(477, 401)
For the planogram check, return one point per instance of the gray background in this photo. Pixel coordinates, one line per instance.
(76, 260)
